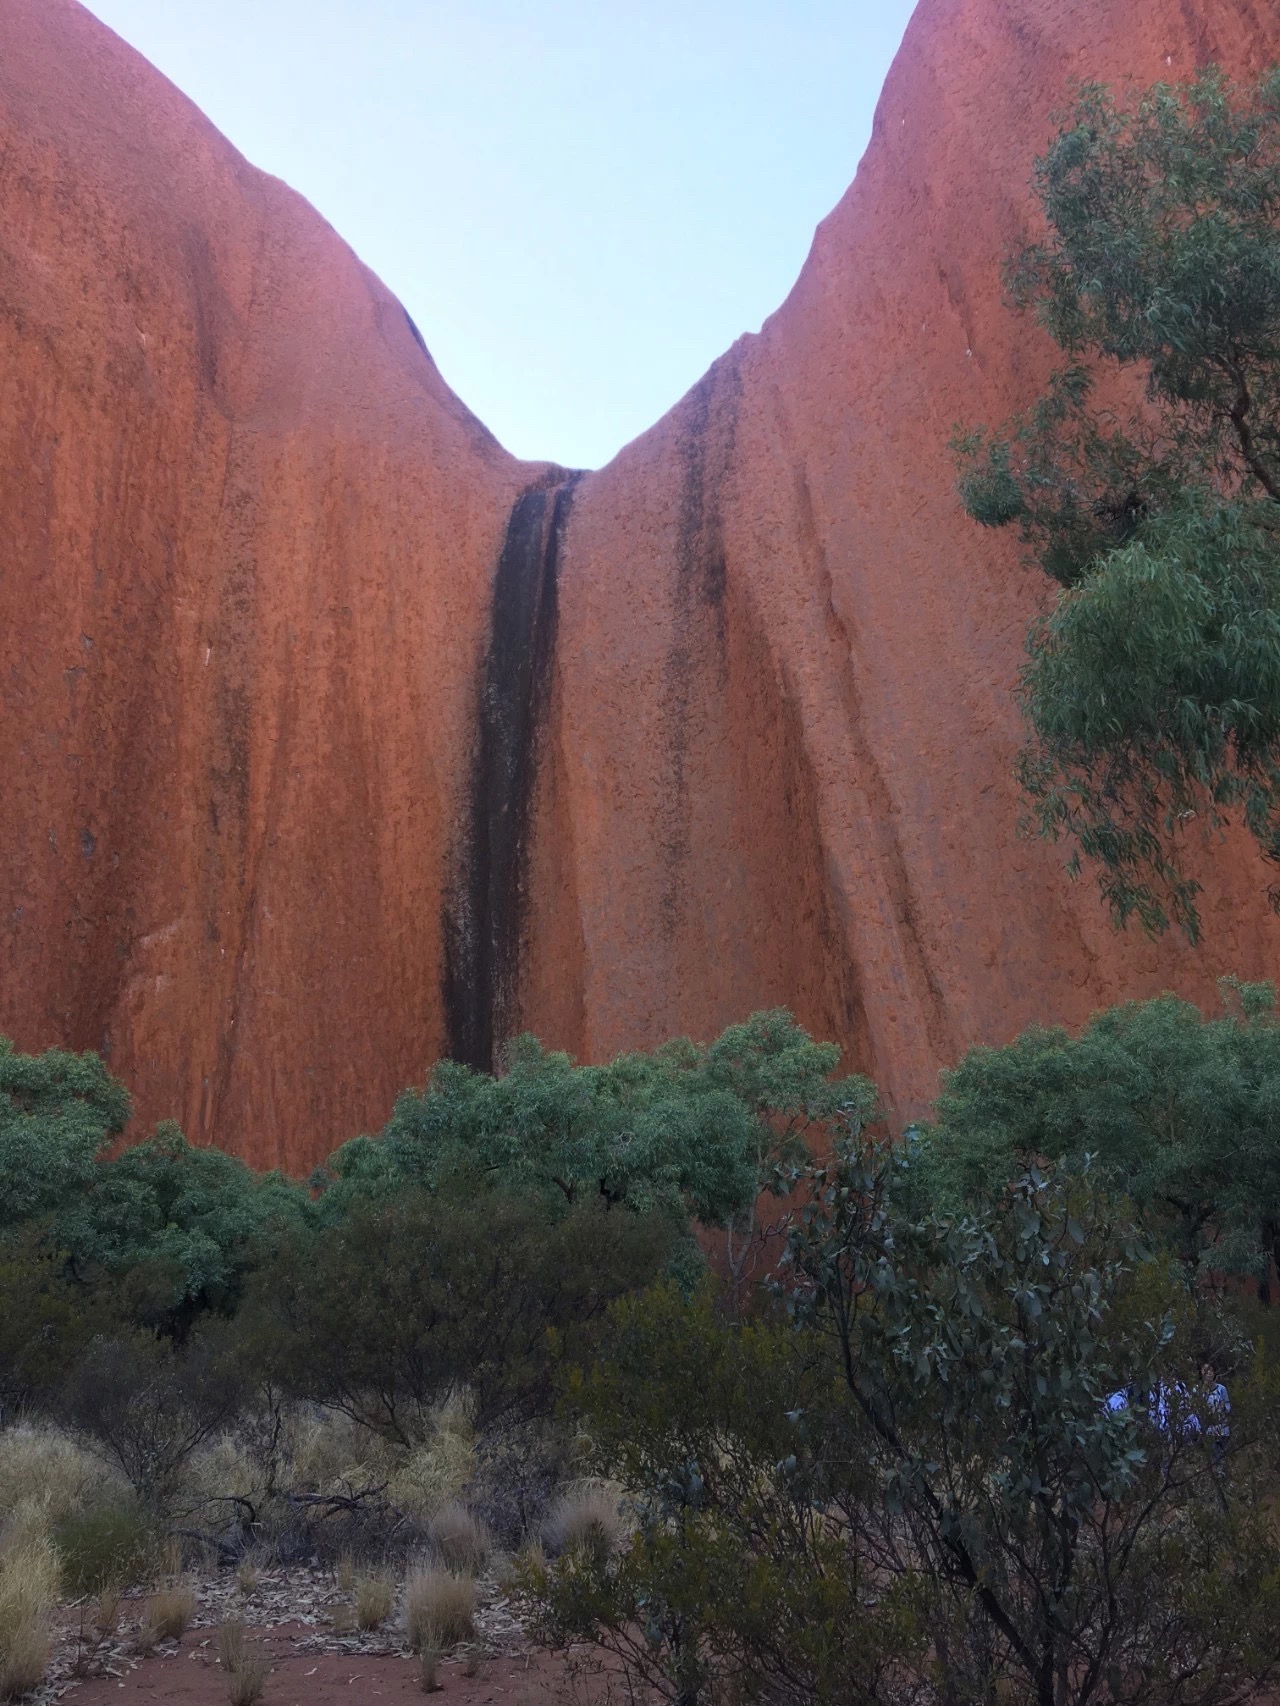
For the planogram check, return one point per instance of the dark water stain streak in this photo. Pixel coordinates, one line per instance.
(484, 924)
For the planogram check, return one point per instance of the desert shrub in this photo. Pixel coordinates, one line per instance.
(390, 1314)
(439, 1608)
(520, 1471)
(244, 1664)
(28, 1596)
(46, 1318)
(587, 1517)
(169, 1612)
(40, 1464)
(459, 1539)
(145, 1407)
(875, 1493)
(104, 1546)
(689, 1131)
(375, 1597)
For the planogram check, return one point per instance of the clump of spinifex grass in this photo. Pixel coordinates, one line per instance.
(244, 1664)
(439, 1608)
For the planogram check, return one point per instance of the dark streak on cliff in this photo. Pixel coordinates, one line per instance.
(484, 922)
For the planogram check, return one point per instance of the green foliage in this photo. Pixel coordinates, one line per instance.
(1154, 691)
(186, 1224)
(411, 1301)
(57, 1112)
(104, 1546)
(1153, 687)
(913, 1489)
(738, 1577)
(1179, 1113)
(1068, 1549)
(685, 1131)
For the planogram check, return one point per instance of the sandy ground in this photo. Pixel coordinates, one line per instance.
(190, 1676)
(288, 1616)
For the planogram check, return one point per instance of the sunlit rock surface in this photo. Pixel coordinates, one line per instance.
(290, 807)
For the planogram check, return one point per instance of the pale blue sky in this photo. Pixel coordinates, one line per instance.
(581, 202)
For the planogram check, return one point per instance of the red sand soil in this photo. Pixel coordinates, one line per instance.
(249, 543)
(287, 1620)
(191, 1678)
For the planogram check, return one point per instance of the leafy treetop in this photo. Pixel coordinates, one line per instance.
(691, 1130)
(1178, 1112)
(1153, 685)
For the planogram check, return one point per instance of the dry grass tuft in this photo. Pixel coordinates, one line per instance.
(25, 1658)
(429, 1670)
(106, 1614)
(346, 1573)
(436, 1471)
(40, 1466)
(587, 1519)
(29, 1589)
(375, 1596)
(169, 1613)
(459, 1539)
(244, 1664)
(439, 1608)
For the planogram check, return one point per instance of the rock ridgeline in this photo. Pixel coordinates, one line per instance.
(333, 738)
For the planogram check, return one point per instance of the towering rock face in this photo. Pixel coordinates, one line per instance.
(331, 737)
(783, 729)
(247, 540)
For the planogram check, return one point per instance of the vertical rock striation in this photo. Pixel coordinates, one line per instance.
(484, 923)
(332, 737)
(785, 726)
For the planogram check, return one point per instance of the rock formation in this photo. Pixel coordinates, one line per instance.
(334, 738)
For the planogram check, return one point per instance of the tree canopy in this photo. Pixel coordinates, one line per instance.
(57, 1113)
(1146, 482)
(1178, 1112)
(689, 1130)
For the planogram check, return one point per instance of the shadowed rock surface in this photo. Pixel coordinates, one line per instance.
(322, 752)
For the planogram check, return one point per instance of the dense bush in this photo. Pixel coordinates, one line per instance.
(57, 1111)
(874, 1461)
(408, 1303)
(687, 1131)
(145, 1406)
(185, 1224)
(1178, 1112)
(909, 1484)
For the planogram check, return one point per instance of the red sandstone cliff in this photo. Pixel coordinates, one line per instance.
(246, 542)
(265, 836)
(784, 733)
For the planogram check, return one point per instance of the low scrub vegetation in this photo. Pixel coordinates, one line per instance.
(956, 1432)
(244, 1664)
(439, 1608)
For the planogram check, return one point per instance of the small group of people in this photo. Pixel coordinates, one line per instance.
(1171, 1405)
